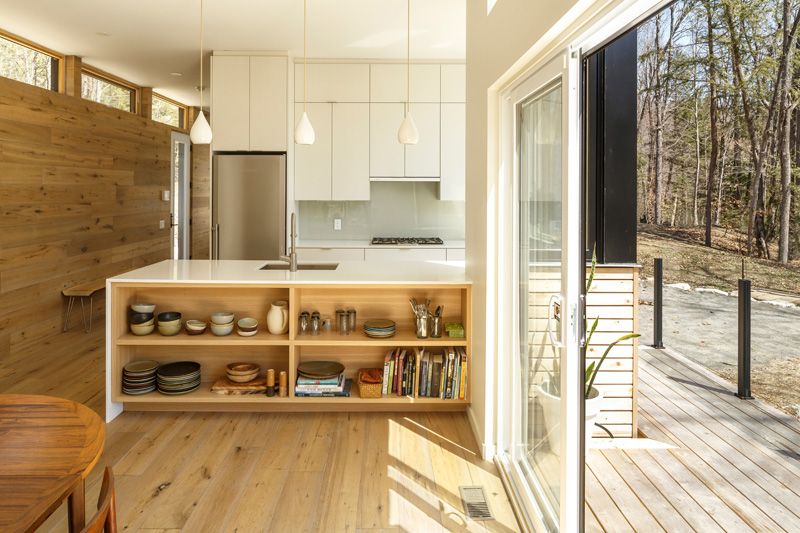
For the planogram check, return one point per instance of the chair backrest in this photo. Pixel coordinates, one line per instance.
(106, 517)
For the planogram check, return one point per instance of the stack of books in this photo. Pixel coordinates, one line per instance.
(399, 372)
(443, 375)
(332, 386)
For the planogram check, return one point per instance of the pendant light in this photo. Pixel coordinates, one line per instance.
(304, 131)
(408, 133)
(201, 131)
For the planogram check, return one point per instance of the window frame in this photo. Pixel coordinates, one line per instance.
(135, 90)
(60, 67)
(183, 111)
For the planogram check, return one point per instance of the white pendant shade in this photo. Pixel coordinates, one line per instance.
(304, 131)
(201, 131)
(408, 132)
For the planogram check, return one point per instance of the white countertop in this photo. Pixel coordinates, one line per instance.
(248, 272)
(302, 243)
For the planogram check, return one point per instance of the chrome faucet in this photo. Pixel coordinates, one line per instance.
(292, 257)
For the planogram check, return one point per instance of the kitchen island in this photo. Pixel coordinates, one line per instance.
(197, 289)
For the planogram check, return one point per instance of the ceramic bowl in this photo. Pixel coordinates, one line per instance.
(196, 325)
(170, 324)
(222, 317)
(169, 330)
(143, 308)
(222, 329)
(247, 324)
(168, 316)
(140, 318)
(142, 329)
(246, 333)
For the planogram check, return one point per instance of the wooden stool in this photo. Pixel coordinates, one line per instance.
(82, 291)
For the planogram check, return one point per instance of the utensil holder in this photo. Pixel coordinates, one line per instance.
(436, 327)
(422, 327)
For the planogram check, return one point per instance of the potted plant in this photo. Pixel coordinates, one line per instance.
(549, 391)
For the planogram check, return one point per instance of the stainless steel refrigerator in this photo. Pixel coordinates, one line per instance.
(249, 206)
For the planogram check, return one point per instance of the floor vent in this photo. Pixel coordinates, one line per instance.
(475, 504)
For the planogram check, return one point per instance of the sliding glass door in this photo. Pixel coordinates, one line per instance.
(544, 453)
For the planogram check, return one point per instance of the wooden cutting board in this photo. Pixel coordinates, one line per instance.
(225, 386)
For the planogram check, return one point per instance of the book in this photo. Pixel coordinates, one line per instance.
(451, 360)
(423, 367)
(429, 377)
(322, 388)
(436, 377)
(462, 391)
(387, 360)
(398, 381)
(457, 375)
(348, 383)
(301, 380)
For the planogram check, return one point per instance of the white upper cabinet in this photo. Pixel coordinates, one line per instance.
(333, 82)
(268, 101)
(249, 102)
(350, 152)
(312, 162)
(388, 83)
(230, 102)
(454, 83)
(386, 154)
(453, 157)
(422, 159)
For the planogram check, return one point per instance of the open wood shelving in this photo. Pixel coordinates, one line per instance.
(282, 352)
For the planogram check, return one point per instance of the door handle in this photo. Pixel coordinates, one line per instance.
(553, 308)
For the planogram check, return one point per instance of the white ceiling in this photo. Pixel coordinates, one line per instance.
(149, 39)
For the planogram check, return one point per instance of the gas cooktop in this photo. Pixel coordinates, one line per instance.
(407, 241)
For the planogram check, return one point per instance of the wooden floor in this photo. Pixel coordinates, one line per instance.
(729, 464)
(269, 472)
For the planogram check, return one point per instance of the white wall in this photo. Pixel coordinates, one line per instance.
(495, 41)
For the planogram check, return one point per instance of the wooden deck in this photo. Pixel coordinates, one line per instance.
(711, 462)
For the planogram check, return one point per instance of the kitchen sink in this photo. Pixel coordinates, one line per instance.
(309, 266)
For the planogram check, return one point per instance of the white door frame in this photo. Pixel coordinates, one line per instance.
(588, 25)
(180, 228)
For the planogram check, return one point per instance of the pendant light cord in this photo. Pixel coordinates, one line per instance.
(408, 59)
(201, 56)
(305, 54)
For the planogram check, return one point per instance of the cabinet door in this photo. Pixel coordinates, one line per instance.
(452, 184)
(350, 152)
(386, 154)
(454, 83)
(268, 100)
(312, 163)
(388, 83)
(330, 254)
(405, 254)
(333, 82)
(422, 159)
(230, 102)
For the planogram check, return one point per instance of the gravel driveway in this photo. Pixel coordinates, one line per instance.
(703, 327)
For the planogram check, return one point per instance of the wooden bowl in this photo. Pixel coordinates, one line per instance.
(243, 378)
(242, 369)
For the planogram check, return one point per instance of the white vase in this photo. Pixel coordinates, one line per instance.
(592, 408)
(278, 317)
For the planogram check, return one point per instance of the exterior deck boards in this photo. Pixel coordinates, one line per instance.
(734, 465)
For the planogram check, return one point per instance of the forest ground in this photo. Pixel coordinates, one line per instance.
(703, 325)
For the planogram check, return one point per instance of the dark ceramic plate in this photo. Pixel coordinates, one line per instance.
(320, 369)
(179, 369)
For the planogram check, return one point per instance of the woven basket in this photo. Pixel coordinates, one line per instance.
(368, 390)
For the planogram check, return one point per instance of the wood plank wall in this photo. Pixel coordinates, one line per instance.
(613, 297)
(80, 187)
(201, 200)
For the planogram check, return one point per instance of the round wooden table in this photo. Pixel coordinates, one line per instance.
(47, 448)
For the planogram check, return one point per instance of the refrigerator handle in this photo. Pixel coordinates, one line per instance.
(215, 231)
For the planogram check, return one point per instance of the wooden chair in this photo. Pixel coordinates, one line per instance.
(106, 517)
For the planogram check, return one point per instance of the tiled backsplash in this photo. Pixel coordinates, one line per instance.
(396, 209)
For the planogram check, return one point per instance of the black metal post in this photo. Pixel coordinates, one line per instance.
(744, 340)
(658, 302)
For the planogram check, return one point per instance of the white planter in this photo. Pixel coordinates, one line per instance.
(594, 403)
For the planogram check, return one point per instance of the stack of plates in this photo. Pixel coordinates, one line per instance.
(380, 328)
(139, 377)
(319, 370)
(178, 378)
